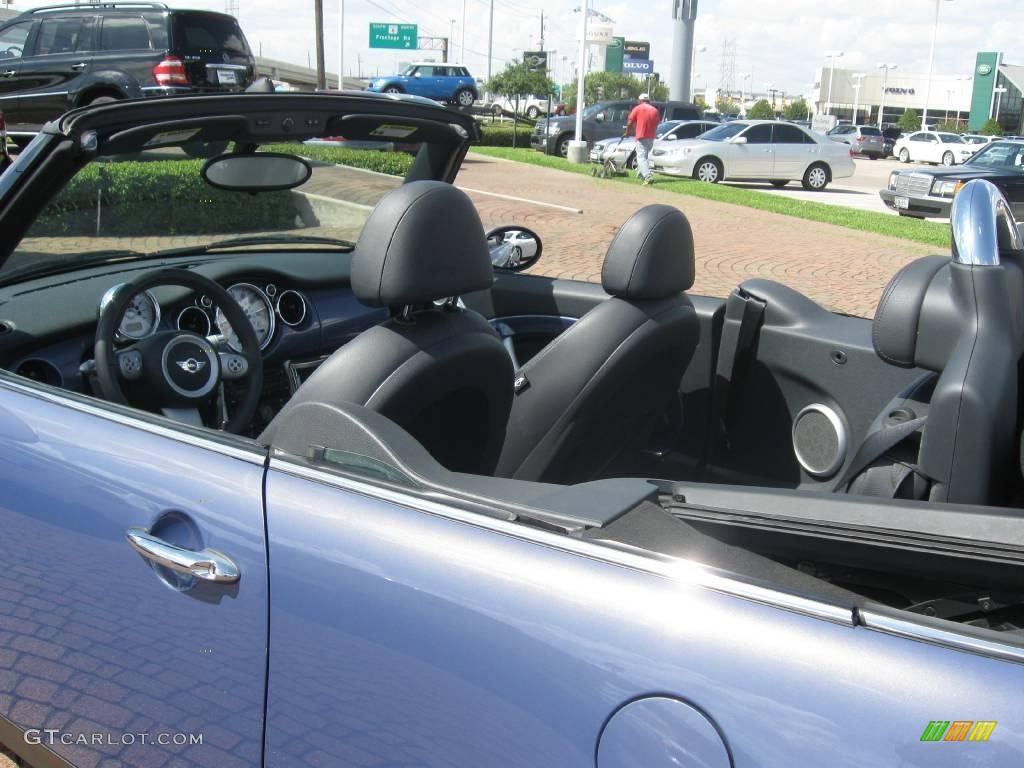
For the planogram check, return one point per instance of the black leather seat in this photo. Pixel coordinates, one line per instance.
(961, 320)
(590, 399)
(440, 372)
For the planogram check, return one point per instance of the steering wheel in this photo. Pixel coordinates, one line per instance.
(177, 369)
(15, 51)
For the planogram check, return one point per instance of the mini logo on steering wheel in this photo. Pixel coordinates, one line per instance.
(192, 365)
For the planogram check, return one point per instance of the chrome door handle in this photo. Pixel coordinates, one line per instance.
(79, 66)
(9, 73)
(209, 565)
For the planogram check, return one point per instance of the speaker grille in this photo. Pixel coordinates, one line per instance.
(819, 440)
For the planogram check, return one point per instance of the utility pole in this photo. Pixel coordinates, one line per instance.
(462, 33)
(542, 30)
(321, 75)
(490, 41)
(684, 18)
(341, 44)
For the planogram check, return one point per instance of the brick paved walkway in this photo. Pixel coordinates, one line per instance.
(842, 269)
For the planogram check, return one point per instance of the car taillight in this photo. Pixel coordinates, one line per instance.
(852, 153)
(170, 71)
(860, 139)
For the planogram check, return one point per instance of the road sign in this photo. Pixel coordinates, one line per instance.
(613, 55)
(393, 35)
(536, 61)
(633, 49)
(638, 66)
(599, 34)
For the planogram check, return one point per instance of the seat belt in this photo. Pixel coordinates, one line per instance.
(876, 445)
(744, 314)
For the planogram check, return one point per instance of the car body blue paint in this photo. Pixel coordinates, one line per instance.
(659, 732)
(91, 639)
(438, 88)
(398, 632)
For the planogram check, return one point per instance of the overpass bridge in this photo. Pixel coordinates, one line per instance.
(301, 77)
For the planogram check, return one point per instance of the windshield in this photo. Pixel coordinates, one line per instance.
(208, 33)
(408, 71)
(1001, 155)
(133, 204)
(950, 138)
(593, 109)
(723, 132)
(664, 128)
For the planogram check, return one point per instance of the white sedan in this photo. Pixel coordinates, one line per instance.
(933, 147)
(756, 150)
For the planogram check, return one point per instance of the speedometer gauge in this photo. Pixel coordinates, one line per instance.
(257, 309)
(141, 317)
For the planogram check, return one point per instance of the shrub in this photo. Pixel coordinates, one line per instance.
(168, 197)
(762, 110)
(949, 126)
(726, 107)
(500, 135)
(391, 163)
(991, 128)
(909, 121)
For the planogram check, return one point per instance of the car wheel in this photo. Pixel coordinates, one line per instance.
(101, 100)
(532, 112)
(904, 155)
(779, 183)
(816, 177)
(464, 97)
(392, 89)
(708, 170)
(562, 145)
(947, 158)
(631, 163)
(874, 157)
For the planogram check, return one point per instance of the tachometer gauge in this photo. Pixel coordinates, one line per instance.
(141, 316)
(258, 310)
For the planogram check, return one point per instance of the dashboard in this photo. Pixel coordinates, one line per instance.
(299, 304)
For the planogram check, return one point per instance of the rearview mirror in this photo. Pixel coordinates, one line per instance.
(262, 172)
(513, 248)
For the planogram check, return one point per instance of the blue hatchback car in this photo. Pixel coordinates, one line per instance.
(441, 82)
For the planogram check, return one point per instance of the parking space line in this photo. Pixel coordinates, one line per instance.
(523, 200)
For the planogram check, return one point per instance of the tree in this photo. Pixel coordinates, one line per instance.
(797, 110)
(603, 86)
(991, 128)
(762, 110)
(726, 107)
(909, 121)
(950, 126)
(698, 101)
(520, 80)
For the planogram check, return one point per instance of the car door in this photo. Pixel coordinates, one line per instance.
(126, 662)
(753, 159)
(14, 40)
(931, 148)
(419, 81)
(57, 58)
(792, 151)
(124, 48)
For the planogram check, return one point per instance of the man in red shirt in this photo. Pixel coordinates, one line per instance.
(645, 117)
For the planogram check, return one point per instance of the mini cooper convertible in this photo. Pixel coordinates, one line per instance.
(295, 471)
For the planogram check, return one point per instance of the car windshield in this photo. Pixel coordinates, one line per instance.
(950, 138)
(134, 204)
(664, 128)
(1001, 155)
(593, 109)
(723, 132)
(198, 33)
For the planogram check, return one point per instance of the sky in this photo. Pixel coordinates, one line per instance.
(780, 42)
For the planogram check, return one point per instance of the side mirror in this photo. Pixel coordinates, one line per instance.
(513, 248)
(599, 117)
(740, 140)
(262, 172)
(418, 74)
(671, 137)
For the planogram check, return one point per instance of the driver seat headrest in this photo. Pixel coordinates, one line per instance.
(651, 256)
(422, 242)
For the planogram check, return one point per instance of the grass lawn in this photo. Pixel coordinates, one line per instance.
(917, 230)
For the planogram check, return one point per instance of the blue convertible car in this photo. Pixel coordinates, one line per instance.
(299, 468)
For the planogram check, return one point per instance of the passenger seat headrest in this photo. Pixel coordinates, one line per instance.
(916, 321)
(422, 242)
(651, 256)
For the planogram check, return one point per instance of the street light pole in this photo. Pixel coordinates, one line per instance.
(931, 64)
(490, 42)
(743, 79)
(693, 66)
(858, 78)
(885, 84)
(582, 73)
(833, 55)
(999, 95)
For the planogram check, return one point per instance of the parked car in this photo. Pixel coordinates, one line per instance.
(623, 149)
(603, 120)
(55, 58)
(977, 140)
(530, 106)
(757, 150)
(932, 147)
(275, 492)
(862, 139)
(924, 193)
(449, 83)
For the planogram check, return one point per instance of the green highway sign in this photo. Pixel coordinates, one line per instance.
(393, 35)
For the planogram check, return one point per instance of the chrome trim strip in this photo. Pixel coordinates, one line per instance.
(982, 224)
(220, 318)
(891, 625)
(36, 95)
(189, 308)
(304, 308)
(607, 552)
(254, 455)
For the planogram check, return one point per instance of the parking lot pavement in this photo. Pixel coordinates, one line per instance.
(842, 269)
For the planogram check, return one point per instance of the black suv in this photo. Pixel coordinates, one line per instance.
(55, 58)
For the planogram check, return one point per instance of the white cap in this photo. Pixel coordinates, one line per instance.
(645, 97)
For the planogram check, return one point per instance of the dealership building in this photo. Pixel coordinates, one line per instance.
(971, 97)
